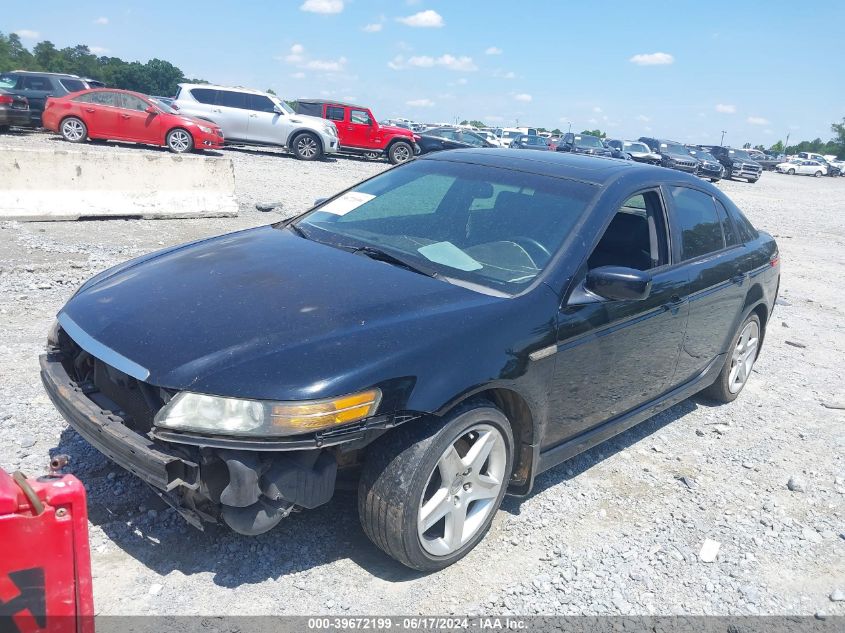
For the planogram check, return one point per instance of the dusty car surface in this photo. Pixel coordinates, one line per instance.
(437, 335)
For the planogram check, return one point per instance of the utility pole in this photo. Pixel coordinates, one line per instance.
(785, 145)
(570, 126)
(722, 142)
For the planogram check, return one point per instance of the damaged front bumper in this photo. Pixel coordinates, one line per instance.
(205, 479)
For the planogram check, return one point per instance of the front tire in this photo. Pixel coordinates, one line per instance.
(818, 174)
(744, 349)
(429, 492)
(179, 141)
(791, 172)
(74, 130)
(400, 152)
(306, 146)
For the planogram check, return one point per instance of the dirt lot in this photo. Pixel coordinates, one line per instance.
(616, 530)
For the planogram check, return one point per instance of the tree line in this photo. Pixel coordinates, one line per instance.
(155, 77)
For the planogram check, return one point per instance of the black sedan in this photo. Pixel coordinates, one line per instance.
(526, 141)
(441, 138)
(441, 333)
(583, 144)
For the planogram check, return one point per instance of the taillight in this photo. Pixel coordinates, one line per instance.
(6, 100)
(775, 260)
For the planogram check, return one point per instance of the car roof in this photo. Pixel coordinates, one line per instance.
(340, 103)
(38, 72)
(233, 88)
(128, 92)
(596, 170)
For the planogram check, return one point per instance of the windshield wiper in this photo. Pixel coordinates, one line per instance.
(383, 256)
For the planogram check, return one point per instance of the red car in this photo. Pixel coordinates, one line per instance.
(359, 133)
(121, 115)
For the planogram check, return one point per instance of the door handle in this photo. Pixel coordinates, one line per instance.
(216, 110)
(252, 116)
(124, 116)
(738, 279)
(89, 110)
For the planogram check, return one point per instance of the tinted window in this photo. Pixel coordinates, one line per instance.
(204, 95)
(105, 98)
(731, 238)
(36, 83)
(747, 232)
(695, 214)
(73, 85)
(335, 113)
(359, 116)
(472, 139)
(261, 103)
(131, 102)
(230, 99)
(587, 141)
(8, 81)
(421, 212)
(636, 236)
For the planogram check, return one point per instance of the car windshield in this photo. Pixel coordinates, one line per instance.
(702, 155)
(470, 224)
(534, 140)
(674, 148)
(738, 153)
(588, 141)
(637, 147)
(164, 107)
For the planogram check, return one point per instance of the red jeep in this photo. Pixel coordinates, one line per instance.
(359, 132)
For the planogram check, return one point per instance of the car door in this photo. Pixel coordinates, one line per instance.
(99, 111)
(714, 259)
(36, 89)
(135, 123)
(613, 356)
(359, 129)
(234, 115)
(265, 125)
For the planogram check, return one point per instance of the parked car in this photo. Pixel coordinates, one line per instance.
(636, 150)
(803, 168)
(252, 117)
(37, 87)
(768, 162)
(672, 154)
(736, 162)
(440, 333)
(839, 165)
(708, 166)
(121, 115)
(489, 137)
(530, 142)
(360, 133)
(14, 111)
(507, 134)
(582, 144)
(442, 138)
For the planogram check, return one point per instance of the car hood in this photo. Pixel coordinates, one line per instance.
(600, 151)
(393, 129)
(264, 313)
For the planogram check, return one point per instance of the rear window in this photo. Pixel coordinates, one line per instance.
(100, 98)
(695, 214)
(204, 95)
(229, 99)
(36, 83)
(73, 85)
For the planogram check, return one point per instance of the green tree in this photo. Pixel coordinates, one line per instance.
(777, 148)
(596, 132)
(270, 91)
(557, 132)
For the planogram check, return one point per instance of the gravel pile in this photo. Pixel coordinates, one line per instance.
(736, 509)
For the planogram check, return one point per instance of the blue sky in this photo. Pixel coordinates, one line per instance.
(758, 70)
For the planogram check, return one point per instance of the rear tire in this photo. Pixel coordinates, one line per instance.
(4, 129)
(743, 352)
(73, 130)
(179, 141)
(430, 490)
(818, 174)
(400, 152)
(306, 146)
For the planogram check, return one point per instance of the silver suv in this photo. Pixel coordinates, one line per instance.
(252, 117)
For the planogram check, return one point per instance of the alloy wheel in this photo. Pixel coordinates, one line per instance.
(462, 490)
(744, 355)
(306, 147)
(179, 141)
(401, 154)
(73, 130)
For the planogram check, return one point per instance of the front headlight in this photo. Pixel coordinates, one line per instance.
(233, 416)
(206, 130)
(331, 130)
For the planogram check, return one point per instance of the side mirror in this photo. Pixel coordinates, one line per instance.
(151, 110)
(278, 110)
(618, 283)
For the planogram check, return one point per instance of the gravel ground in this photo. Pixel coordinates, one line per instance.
(618, 530)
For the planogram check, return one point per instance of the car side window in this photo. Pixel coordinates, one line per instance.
(361, 117)
(636, 236)
(731, 238)
(8, 81)
(204, 95)
(36, 83)
(698, 222)
(131, 102)
(335, 113)
(471, 139)
(260, 103)
(230, 99)
(99, 98)
(72, 85)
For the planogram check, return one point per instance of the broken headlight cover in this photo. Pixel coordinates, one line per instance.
(200, 413)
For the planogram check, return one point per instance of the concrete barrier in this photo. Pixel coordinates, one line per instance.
(59, 184)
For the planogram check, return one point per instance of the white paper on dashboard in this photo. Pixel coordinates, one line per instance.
(450, 255)
(349, 201)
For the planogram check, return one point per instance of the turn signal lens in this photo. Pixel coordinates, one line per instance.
(307, 416)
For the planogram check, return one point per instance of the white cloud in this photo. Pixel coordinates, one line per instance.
(652, 59)
(462, 81)
(596, 109)
(524, 97)
(299, 75)
(423, 19)
(98, 50)
(102, 21)
(493, 51)
(375, 27)
(643, 118)
(322, 6)
(326, 65)
(447, 61)
(397, 63)
(461, 64)
(420, 103)
(27, 34)
(421, 61)
(296, 54)
(757, 120)
(725, 108)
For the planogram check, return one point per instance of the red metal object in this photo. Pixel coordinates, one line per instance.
(45, 563)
